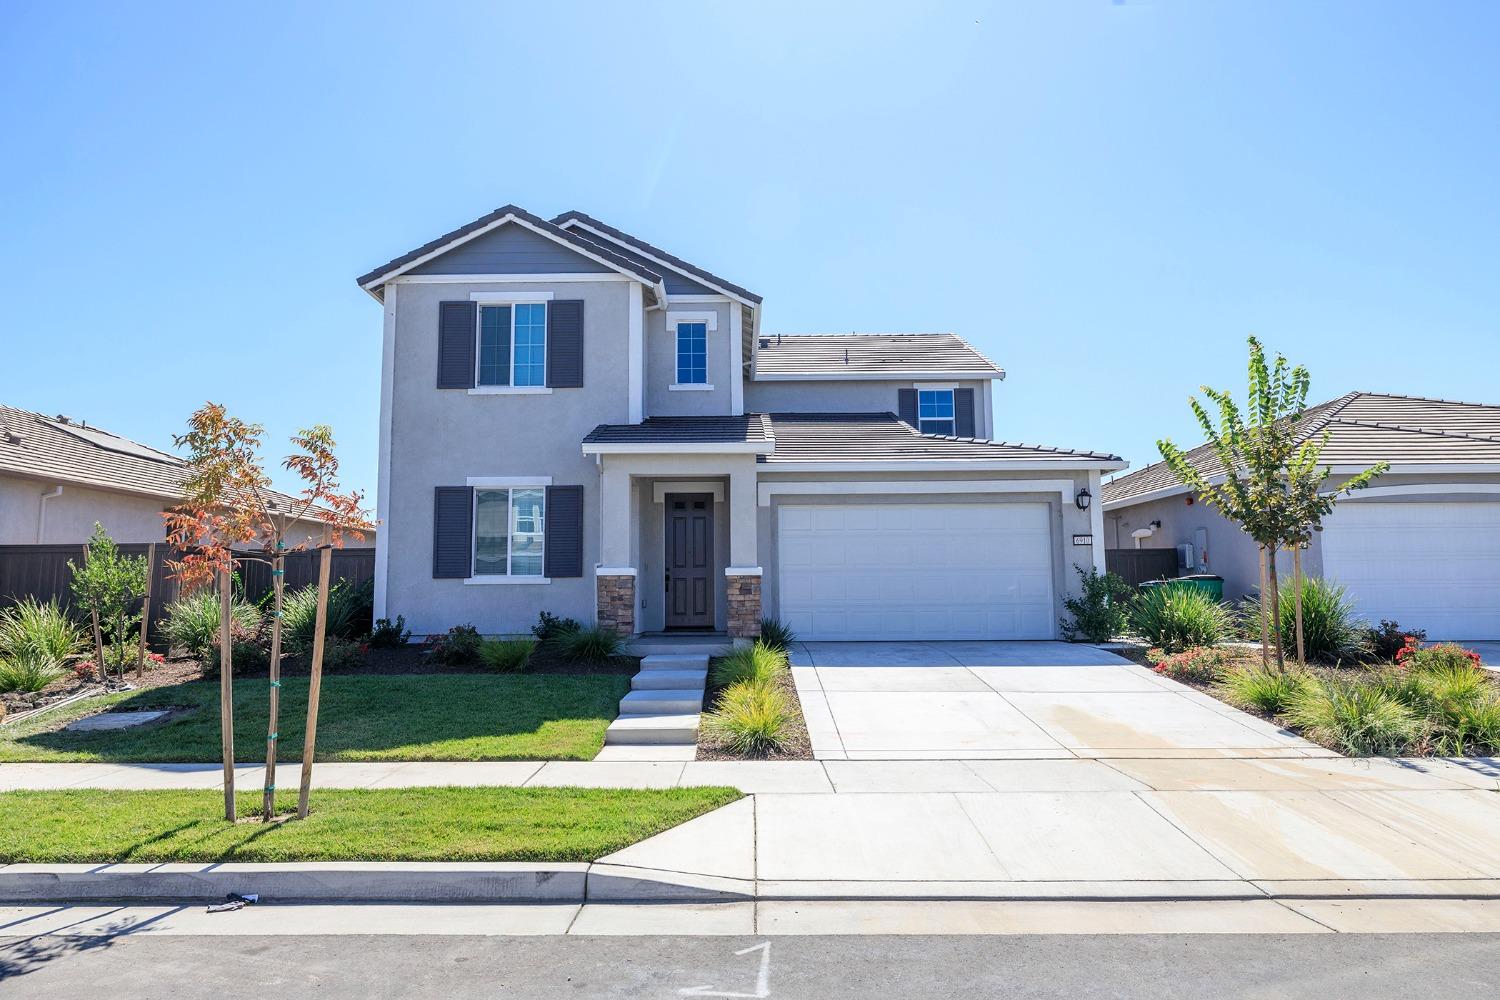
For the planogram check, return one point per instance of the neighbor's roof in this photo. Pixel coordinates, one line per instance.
(580, 219)
(1363, 428)
(752, 430)
(871, 355)
(630, 265)
(883, 437)
(61, 450)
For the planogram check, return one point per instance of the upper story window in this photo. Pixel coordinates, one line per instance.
(509, 531)
(935, 411)
(692, 353)
(513, 344)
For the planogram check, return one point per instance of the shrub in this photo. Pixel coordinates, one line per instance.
(1331, 632)
(757, 662)
(588, 645)
(460, 645)
(1269, 691)
(1100, 614)
(341, 654)
(1477, 729)
(1176, 618)
(1386, 640)
(40, 633)
(508, 656)
(1356, 718)
(1443, 656)
(550, 628)
(28, 674)
(750, 719)
(248, 648)
(348, 614)
(389, 634)
(776, 634)
(1451, 695)
(106, 585)
(192, 622)
(1201, 663)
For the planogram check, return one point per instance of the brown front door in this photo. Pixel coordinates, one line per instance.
(690, 560)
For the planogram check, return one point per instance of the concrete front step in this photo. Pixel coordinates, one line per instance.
(675, 661)
(662, 701)
(653, 729)
(668, 680)
(656, 647)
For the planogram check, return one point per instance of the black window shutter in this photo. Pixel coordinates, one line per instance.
(963, 413)
(565, 344)
(906, 405)
(452, 532)
(564, 537)
(455, 369)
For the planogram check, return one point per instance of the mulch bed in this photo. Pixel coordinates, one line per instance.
(798, 745)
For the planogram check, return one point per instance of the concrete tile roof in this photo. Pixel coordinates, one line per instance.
(871, 355)
(659, 254)
(750, 428)
(1363, 428)
(835, 437)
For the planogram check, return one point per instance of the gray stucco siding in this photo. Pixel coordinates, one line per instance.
(441, 437)
(511, 249)
(661, 364)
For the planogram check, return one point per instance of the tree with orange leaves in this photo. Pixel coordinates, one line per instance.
(230, 511)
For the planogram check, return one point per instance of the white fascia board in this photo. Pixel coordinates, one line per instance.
(1417, 489)
(946, 465)
(766, 490)
(576, 224)
(881, 376)
(503, 220)
(1437, 469)
(481, 279)
(678, 448)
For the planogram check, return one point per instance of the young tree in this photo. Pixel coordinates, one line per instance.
(1273, 483)
(229, 504)
(108, 584)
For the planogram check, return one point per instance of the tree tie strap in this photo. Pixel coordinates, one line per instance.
(272, 737)
(278, 572)
(270, 788)
(276, 684)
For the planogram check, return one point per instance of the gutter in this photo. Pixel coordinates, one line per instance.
(41, 512)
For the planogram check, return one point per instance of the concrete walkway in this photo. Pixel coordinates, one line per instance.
(997, 700)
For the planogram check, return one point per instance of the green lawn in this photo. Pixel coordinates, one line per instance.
(396, 824)
(362, 717)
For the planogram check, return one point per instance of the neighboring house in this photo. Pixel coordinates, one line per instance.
(575, 421)
(59, 476)
(1420, 546)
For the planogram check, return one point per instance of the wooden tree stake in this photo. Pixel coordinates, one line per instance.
(1265, 635)
(315, 685)
(273, 716)
(1297, 583)
(226, 691)
(140, 656)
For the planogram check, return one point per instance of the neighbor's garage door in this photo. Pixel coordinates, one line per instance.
(916, 571)
(1434, 566)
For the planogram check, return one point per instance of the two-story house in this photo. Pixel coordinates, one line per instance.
(575, 421)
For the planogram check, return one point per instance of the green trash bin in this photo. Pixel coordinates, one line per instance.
(1206, 582)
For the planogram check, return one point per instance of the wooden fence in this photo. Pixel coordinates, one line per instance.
(1137, 566)
(41, 572)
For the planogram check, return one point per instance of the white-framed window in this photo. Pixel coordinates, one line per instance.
(935, 411)
(512, 345)
(509, 531)
(692, 353)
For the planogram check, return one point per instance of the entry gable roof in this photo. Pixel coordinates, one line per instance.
(505, 215)
(750, 432)
(1363, 428)
(603, 233)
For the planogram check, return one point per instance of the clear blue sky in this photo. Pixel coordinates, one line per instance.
(1104, 197)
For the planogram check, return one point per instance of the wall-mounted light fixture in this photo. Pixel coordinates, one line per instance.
(1084, 498)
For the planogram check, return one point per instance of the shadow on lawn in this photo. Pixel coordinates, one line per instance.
(366, 715)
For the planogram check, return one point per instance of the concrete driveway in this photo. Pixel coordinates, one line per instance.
(971, 700)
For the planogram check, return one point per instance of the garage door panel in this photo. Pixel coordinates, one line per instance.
(901, 571)
(1434, 566)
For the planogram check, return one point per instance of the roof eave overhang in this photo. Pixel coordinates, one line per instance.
(992, 374)
(678, 448)
(1337, 469)
(699, 278)
(950, 465)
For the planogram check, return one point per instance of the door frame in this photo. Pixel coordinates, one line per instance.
(711, 507)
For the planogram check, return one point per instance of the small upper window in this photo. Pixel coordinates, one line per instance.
(692, 353)
(513, 345)
(935, 411)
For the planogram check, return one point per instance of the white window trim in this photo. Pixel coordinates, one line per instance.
(690, 387)
(520, 299)
(952, 392)
(710, 320)
(508, 484)
(662, 487)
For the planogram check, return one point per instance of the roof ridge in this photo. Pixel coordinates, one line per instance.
(1412, 429)
(1427, 399)
(1323, 419)
(669, 259)
(859, 333)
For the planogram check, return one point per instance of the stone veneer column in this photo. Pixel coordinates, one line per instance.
(743, 590)
(616, 593)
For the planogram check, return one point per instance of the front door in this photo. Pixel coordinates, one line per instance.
(690, 560)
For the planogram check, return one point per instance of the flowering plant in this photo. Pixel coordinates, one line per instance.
(1200, 663)
(1414, 656)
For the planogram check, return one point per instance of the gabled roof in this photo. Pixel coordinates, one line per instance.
(372, 280)
(59, 450)
(1363, 428)
(871, 356)
(572, 221)
(749, 432)
(864, 437)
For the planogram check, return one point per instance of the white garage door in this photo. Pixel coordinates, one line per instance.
(916, 571)
(1434, 566)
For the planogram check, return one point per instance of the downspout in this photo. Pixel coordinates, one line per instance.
(41, 512)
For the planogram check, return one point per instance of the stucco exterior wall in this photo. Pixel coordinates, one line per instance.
(71, 515)
(441, 437)
(661, 363)
(834, 396)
